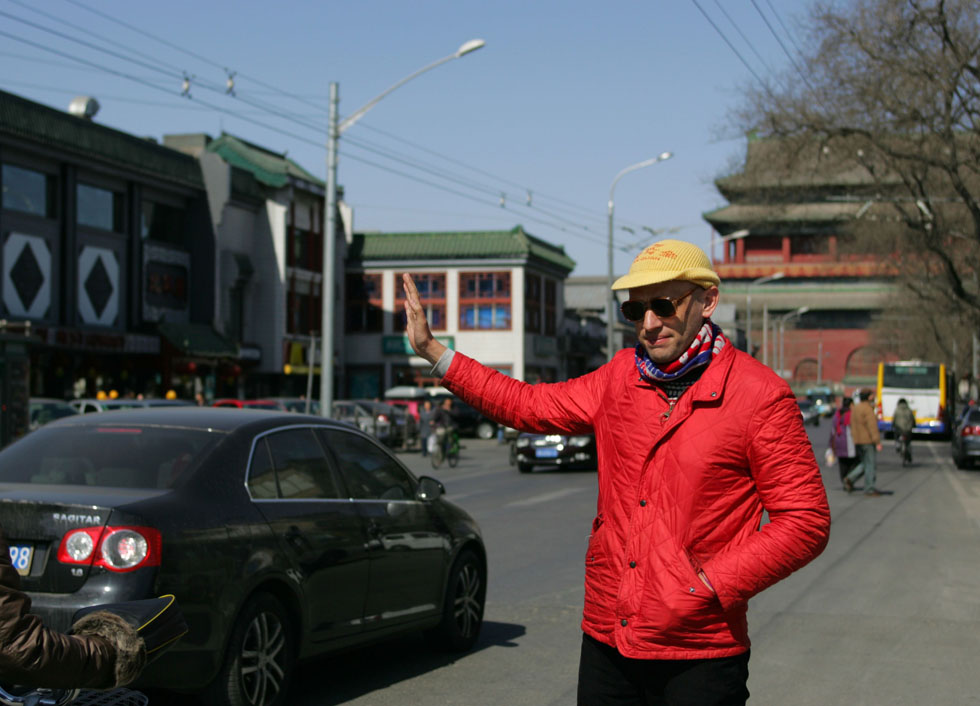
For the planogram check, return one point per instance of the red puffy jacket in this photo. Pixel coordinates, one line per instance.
(682, 488)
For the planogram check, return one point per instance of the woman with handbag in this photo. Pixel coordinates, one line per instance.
(841, 442)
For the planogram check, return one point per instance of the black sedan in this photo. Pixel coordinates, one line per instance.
(555, 450)
(283, 536)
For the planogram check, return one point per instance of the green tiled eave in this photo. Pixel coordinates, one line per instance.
(27, 120)
(269, 168)
(463, 245)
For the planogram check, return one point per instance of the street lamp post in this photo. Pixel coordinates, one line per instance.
(327, 293)
(748, 306)
(611, 301)
(780, 322)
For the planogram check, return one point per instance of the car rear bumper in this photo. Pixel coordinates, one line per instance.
(57, 609)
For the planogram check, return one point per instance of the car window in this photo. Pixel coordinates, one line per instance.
(370, 473)
(111, 456)
(261, 474)
(301, 466)
(974, 417)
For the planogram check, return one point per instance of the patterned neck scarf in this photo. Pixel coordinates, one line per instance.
(708, 343)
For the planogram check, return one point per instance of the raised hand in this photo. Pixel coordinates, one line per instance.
(417, 329)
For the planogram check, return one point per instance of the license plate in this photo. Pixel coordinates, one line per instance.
(546, 453)
(21, 556)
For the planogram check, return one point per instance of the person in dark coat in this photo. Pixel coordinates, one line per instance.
(425, 425)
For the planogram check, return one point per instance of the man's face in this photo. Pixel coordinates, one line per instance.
(665, 340)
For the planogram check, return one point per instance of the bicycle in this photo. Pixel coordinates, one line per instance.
(904, 448)
(447, 448)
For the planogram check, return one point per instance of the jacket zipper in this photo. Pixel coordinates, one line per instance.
(670, 408)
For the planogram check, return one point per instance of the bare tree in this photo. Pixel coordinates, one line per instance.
(891, 88)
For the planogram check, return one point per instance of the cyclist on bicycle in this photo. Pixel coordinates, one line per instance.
(903, 422)
(103, 652)
(443, 422)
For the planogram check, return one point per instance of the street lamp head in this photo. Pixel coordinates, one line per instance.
(664, 155)
(470, 46)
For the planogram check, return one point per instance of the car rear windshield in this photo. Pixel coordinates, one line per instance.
(108, 456)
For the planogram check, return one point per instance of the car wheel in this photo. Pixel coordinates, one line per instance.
(259, 660)
(523, 467)
(462, 613)
(486, 430)
(960, 462)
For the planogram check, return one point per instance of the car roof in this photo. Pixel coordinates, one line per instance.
(216, 418)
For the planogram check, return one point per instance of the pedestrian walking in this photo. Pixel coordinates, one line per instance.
(696, 439)
(842, 440)
(867, 442)
(425, 425)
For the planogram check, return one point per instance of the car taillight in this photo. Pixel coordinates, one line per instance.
(113, 548)
(383, 418)
(970, 431)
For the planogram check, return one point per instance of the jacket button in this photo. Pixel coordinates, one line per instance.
(714, 394)
(623, 622)
(632, 564)
(643, 503)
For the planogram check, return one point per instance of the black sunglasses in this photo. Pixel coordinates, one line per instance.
(663, 307)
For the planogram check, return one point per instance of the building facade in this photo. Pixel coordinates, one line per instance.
(496, 295)
(107, 256)
(804, 299)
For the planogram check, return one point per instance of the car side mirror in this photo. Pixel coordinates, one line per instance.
(429, 489)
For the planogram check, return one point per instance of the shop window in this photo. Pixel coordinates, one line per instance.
(364, 313)
(532, 303)
(162, 223)
(550, 307)
(432, 295)
(28, 191)
(99, 208)
(484, 300)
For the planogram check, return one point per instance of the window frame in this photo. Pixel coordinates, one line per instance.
(477, 302)
(364, 307)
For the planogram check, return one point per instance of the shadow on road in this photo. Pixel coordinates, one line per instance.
(337, 678)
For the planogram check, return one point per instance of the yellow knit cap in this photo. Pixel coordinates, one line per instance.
(669, 260)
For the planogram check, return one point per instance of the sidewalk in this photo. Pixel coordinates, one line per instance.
(890, 612)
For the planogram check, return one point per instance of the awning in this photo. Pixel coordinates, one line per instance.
(200, 340)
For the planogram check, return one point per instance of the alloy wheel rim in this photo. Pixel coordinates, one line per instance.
(467, 604)
(262, 656)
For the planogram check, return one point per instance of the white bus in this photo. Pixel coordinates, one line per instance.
(923, 385)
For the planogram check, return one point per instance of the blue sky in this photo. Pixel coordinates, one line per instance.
(562, 97)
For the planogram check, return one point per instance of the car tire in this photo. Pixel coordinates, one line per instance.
(259, 658)
(523, 467)
(462, 612)
(486, 430)
(961, 463)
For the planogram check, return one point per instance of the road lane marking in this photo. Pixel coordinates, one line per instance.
(545, 497)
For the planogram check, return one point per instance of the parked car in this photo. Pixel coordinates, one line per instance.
(46, 409)
(809, 411)
(296, 404)
(364, 418)
(822, 399)
(555, 450)
(469, 420)
(966, 438)
(248, 404)
(403, 429)
(284, 537)
(92, 404)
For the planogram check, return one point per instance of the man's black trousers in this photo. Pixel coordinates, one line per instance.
(606, 678)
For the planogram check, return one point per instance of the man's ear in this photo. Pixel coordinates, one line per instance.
(710, 301)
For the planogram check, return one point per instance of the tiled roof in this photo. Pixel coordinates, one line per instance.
(514, 243)
(24, 119)
(269, 168)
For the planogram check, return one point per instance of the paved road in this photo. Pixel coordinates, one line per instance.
(889, 614)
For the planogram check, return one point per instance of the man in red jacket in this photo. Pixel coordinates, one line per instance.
(695, 441)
